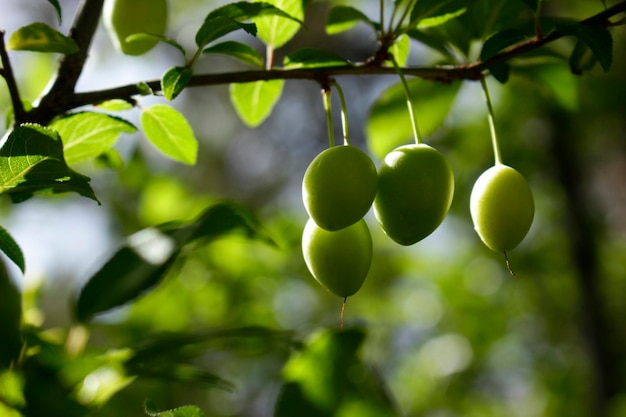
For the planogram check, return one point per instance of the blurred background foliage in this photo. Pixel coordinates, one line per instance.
(439, 329)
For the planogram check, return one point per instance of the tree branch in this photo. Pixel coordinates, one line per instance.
(60, 94)
(7, 73)
(68, 100)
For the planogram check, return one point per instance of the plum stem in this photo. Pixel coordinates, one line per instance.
(409, 102)
(344, 113)
(326, 91)
(508, 265)
(343, 310)
(492, 125)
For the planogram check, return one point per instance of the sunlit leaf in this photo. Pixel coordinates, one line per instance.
(185, 411)
(11, 313)
(401, 49)
(389, 124)
(40, 37)
(86, 135)
(143, 260)
(312, 58)
(241, 51)
(31, 160)
(342, 18)
(218, 26)
(277, 30)
(170, 132)
(174, 81)
(254, 101)
(115, 105)
(427, 13)
(11, 249)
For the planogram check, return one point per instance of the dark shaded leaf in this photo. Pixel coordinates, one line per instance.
(11, 249)
(147, 255)
(582, 58)
(313, 58)
(11, 313)
(185, 411)
(241, 51)
(150, 36)
(57, 7)
(598, 39)
(342, 18)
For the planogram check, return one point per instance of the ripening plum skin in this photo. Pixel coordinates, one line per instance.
(502, 207)
(415, 191)
(338, 260)
(339, 187)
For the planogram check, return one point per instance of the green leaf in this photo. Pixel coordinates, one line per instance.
(40, 37)
(343, 18)
(147, 255)
(185, 411)
(389, 125)
(555, 81)
(86, 135)
(598, 39)
(218, 26)
(170, 132)
(582, 58)
(434, 41)
(11, 249)
(313, 58)
(160, 38)
(174, 81)
(31, 160)
(496, 43)
(428, 13)
(10, 325)
(320, 382)
(57, 7)
(254, 101)
(401, 49)
(238, 50)
(116, 105)
(276, 30)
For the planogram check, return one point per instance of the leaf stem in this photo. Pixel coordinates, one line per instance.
(409, 103)
(344, 113)
(408, 8)
(492, 126)
(326, 96)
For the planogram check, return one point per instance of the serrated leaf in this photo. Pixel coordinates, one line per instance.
(312, 58)
(11, 249)
(241, 51)
(185, 411)
(86, 135)
(142, 261)
(31, 160)
(275, 30)
(10, 325)
(343, 18)
(582, 58)
(388, 124)
(598, 39)
(116, 105)
(174, 81)
(254, 101)
(40, 37)
(57, 8)
(429, 13)
(169, 131)
(150, 36)
(496, 43)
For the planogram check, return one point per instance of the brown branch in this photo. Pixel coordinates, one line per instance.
(474, 71)
(9, 77)
(60, 94)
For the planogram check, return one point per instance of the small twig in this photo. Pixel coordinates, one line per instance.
(343, 310)
(508, 265)
(7, 73)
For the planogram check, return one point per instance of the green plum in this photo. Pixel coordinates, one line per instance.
(123, 18)
(338, 260)
(502, 207)
(415, 190)
(339, 186)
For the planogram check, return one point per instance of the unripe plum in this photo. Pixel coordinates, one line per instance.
(502, 207)
(338, 260)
